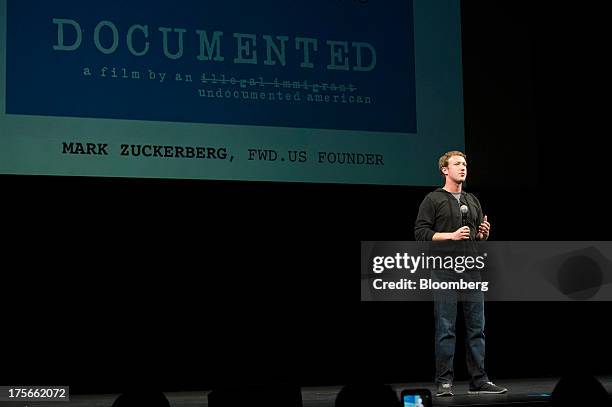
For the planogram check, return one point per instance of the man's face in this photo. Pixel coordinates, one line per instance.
(457, 169)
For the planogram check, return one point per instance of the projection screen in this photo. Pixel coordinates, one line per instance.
(327, 91)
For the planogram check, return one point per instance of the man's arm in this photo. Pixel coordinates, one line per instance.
(483, 229)
(448, 236)
(423, 226)
(463, 233)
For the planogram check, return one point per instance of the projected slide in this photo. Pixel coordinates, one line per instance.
(331, 91)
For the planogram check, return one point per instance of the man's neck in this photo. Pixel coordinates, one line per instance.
(453, 187)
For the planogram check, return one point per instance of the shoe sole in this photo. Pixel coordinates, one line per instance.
(448, 393)
(487, 392)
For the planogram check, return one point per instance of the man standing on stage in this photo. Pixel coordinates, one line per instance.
(441, 217)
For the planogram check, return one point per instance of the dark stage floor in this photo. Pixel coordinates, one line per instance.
(520, 391)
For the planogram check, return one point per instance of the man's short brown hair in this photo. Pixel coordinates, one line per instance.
(443, 162)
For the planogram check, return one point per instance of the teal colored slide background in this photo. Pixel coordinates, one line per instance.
(32, 145)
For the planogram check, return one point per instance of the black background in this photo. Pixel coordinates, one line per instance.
(188, 284)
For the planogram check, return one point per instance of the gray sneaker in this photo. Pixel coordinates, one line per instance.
(487, 388)
(444, 389)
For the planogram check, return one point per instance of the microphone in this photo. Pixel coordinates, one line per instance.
(464, 211)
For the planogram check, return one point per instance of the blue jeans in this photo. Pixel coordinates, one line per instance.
(445, 314)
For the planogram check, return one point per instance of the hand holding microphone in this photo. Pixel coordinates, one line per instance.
(463, 233)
